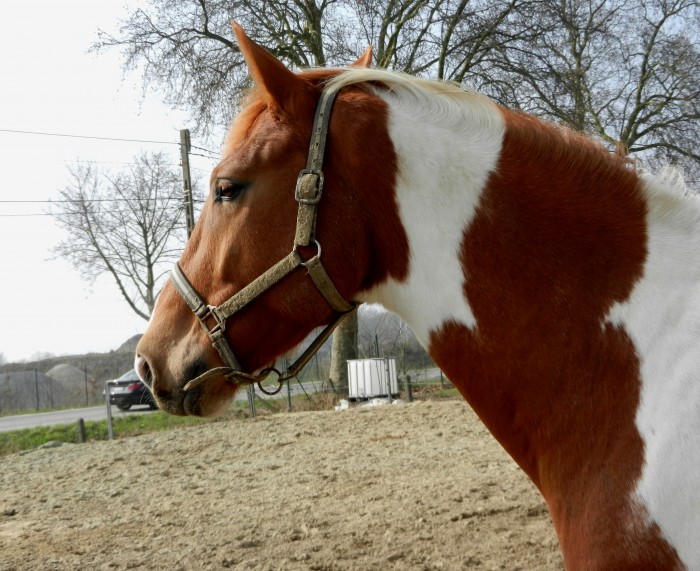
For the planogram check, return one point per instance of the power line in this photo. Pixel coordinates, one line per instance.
(91, 162)
(205, 150)
(213, 154)
(205, 156)
(88, 161)
(37, 214)
(76, 200)
(24, 215)
(88, 137)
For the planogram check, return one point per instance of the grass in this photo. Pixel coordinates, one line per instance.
(137, 424)
(322, 400)
(131, 425)
(435, 390)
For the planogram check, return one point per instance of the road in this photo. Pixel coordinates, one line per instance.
(68, 416)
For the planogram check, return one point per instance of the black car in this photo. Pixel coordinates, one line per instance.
(128, 390)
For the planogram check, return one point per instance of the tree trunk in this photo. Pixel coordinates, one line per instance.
(344, 347)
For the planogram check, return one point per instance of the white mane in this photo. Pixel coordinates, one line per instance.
(451, 105)
(442, 103)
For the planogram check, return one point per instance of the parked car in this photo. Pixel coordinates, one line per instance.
(128, 390)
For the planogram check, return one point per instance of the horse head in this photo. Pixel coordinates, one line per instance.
(249, 224)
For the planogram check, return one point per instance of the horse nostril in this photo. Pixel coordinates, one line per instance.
(143, 370)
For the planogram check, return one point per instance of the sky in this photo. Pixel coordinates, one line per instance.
(49, 83)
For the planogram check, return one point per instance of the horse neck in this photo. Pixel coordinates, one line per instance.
(442, 171)
(523, 239)
(499, 166)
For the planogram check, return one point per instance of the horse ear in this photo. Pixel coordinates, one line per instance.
(365, 60)
(265, 69)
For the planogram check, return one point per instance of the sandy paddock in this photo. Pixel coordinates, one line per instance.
(408, 486)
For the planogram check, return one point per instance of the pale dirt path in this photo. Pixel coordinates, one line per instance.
(420, 486)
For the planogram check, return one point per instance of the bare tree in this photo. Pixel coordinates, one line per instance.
(443, 39)
(128, 225)
(186, 48)
(343, 348)
(626, 71)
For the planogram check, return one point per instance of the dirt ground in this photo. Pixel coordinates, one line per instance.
(410, 486)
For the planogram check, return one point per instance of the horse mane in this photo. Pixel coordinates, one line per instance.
(456, 108)
(441, 103)
(452, 107)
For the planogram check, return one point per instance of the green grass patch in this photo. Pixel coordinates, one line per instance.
(435, 390)
(446, 394)
(136, 424)
(131, 425)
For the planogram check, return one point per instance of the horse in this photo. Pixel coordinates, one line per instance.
(556, 285)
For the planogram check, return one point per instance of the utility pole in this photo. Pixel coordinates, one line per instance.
(185, 147)
(36, 385)
(87, 399)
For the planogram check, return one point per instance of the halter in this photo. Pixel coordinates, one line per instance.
(307, 193)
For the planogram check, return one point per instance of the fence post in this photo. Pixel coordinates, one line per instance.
(110, 434)
(81, 430)
(251, 400)
(407, 388)
(387, 370)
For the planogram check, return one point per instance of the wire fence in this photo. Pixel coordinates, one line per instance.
(313, 390)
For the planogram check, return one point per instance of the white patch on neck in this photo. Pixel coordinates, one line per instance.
(446, 150)
(662, 316)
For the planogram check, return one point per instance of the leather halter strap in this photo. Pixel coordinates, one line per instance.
(308, 191)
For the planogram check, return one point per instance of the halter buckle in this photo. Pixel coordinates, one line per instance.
(309, 186)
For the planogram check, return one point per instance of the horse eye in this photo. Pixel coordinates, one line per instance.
(228, 189)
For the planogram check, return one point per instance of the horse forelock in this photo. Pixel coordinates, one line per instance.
(253, 104)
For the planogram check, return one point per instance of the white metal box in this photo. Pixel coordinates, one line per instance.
(369, 378)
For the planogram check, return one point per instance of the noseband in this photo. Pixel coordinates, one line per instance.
(309, 188)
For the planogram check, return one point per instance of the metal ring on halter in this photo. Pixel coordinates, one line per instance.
(318, 252)
(264, 374)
